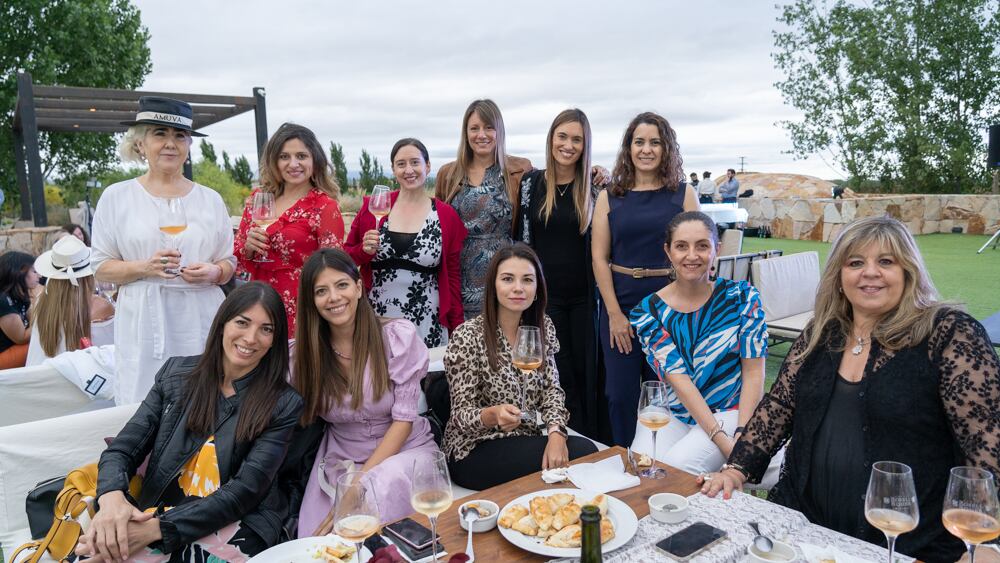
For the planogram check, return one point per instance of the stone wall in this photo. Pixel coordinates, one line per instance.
(33, 240)
(822, 219)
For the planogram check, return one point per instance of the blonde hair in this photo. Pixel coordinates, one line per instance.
(909, 322)
(582, 200)
(488, 111)
(63, 312)
(128, 148)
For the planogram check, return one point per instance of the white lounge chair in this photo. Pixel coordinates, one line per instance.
(40, 392)
(787, 286)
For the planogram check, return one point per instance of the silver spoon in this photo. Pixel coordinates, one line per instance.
(470, 514)
(760, 541)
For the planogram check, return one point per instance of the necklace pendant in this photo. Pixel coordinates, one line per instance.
(857, 349)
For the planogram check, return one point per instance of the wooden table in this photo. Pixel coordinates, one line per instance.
(491, 546)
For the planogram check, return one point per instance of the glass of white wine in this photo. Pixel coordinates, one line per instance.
(527, 357)
(172, 222)
(263, 213)
(654, 413)
(356, 516)
(971, 509)
(431, 490)
(891, 502)
(379, 203)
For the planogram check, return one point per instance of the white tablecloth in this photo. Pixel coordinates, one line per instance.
(725, 212)
(732, 516)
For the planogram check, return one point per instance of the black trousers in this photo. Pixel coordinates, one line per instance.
(494, 462)
(574, 322)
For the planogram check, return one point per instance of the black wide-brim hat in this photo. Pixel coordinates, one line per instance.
(157, 110)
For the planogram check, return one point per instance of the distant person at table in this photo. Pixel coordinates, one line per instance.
(557, 204)
(707, 340)
(361, 374)
(486, 441)
(18, 286)
(78, 232)
(694, 179)
(730, 188)
(215, 428)
(707, 192)
(883, 371)
(482, 184)
(296, 170)
(411, 260)
(628, 233)
(168, 291)
(61, 320)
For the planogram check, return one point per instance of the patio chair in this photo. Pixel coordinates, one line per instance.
(787, 286)
(732, 242)
(735, 267)
(40, 392)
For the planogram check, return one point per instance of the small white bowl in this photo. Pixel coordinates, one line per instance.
(781, 552)
(658, 508)
(485, 523)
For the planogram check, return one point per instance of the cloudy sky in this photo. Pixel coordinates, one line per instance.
(365, 74)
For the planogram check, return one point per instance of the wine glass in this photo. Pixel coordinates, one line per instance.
(106, 290)
(172, 222)
(654, 414)
(430, 492)
(263, 212)
(527, 357)
(891, 502)
(356, 515)
(379, 203)
(971, 509)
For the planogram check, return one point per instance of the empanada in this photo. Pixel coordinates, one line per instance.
(559, 500)
(570, 536)
(569, 514)
(541, 512)
(526, 526)
(601, 502)
(512, 515)
(607, 530)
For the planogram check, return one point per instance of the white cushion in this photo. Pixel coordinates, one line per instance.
(787, 284)
(40, 392)
(42, 449)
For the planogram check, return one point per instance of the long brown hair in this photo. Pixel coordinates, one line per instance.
(319, 377)
(488, 111)
(534, 315)
(671, 166)
(909, 322)
(582, 200)
(267, 380)
(63, 312)
(322, 176)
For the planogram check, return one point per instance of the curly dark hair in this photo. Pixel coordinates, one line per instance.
(671, 167)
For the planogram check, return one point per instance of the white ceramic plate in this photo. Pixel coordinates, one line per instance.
(624, 519)
(302, 550)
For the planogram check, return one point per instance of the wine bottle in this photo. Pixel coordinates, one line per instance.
(590, 530)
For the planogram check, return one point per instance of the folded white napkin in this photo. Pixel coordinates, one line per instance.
(603, 476)
(814, 554)
(557, 475)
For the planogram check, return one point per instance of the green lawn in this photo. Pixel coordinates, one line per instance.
(958, 272)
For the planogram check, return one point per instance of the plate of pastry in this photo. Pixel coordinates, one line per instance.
(317, 549)
(548, 522)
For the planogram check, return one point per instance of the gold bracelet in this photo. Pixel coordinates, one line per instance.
(715, 431)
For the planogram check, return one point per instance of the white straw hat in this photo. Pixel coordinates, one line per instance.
(69, 259)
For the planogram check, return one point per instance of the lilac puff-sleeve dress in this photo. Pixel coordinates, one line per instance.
(353, 435)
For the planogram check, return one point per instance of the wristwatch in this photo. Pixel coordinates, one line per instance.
(558, 429)
(735, 467)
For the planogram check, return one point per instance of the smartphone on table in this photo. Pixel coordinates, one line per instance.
(412, 538)
(690, 541)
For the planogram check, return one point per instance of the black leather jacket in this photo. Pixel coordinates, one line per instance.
(247, 470)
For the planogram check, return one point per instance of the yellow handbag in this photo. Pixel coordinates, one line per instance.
(62, 537)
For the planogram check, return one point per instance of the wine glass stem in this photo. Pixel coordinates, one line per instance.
(891, 542)
(434, 535)
(972, 551)
(652, 467)
(357, 550)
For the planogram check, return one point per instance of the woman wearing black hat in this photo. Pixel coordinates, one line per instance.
(169, 289)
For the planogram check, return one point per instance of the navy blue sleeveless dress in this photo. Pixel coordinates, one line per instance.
(638, 225)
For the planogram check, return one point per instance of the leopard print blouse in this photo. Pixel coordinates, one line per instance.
(474, 386)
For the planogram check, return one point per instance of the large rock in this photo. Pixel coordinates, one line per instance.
(773, 185)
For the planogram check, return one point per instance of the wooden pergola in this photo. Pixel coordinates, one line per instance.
(100, 110)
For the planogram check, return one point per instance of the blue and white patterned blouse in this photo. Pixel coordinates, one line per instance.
(706, 345)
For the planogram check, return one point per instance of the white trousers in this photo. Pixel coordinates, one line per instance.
(687, 447)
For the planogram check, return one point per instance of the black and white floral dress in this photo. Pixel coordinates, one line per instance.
(405, 278)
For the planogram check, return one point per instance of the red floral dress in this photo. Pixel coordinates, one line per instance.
(311, 223)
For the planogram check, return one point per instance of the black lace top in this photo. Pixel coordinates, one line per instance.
(933, 405)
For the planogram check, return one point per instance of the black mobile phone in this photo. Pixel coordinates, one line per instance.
(690, 541)
(408, 531)
(417, 554)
